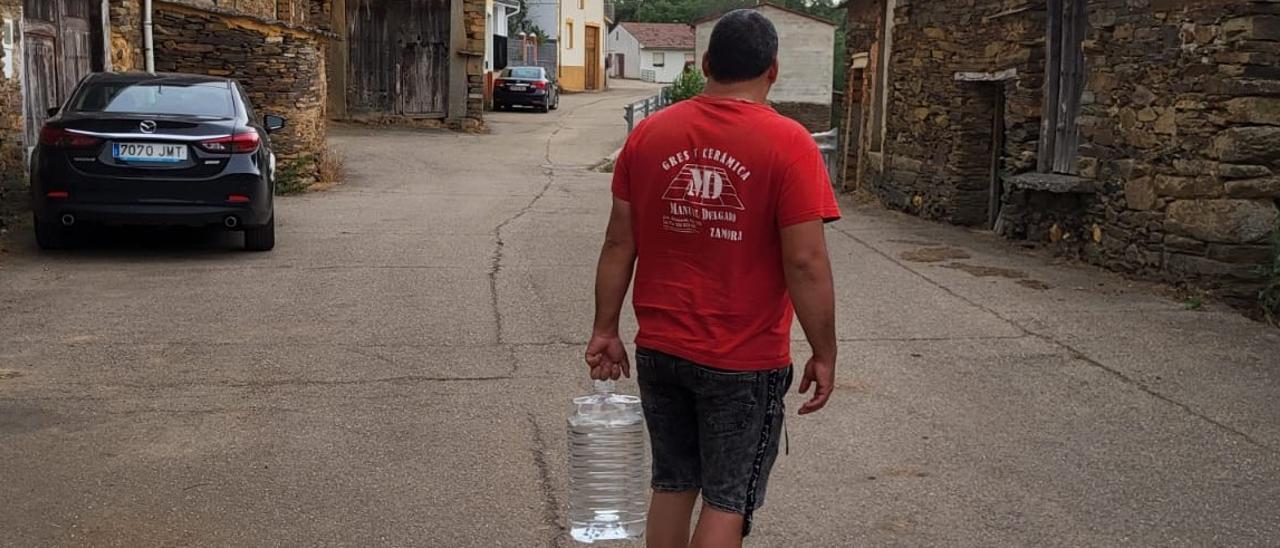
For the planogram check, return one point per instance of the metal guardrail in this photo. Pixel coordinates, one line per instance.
(828, 141)
(646, 107)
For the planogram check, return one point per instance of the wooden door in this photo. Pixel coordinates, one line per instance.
(58, 45)
(398, 56)
(1064, 82)
(593, 57)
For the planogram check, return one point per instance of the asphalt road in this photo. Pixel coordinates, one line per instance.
(398, 371)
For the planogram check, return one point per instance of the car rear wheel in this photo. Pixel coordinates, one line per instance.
(51, 235)
(556, 103)
(261, 238)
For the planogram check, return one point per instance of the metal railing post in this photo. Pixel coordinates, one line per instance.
(630, 115)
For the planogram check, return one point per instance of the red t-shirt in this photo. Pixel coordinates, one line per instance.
(711, 181)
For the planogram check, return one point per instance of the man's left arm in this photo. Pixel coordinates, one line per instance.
(606, 355)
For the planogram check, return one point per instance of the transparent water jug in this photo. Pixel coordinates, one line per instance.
(608, 479)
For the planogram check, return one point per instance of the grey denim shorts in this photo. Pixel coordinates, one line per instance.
(712, 430)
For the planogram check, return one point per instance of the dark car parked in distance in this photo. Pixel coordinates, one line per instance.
(525, 86)
(155, 149)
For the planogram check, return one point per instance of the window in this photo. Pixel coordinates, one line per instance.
(211, 99)
(582, 4)
(659, 58)
(528, 73)
(568, 30)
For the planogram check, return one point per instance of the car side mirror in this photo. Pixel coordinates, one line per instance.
(52, 111)
(273, 123)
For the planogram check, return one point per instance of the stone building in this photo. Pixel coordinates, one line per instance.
(274, 47)
(1143, 134)
(12, 126)
(806, 50)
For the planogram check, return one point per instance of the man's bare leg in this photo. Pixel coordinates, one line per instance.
(668, 522)
(717, 529)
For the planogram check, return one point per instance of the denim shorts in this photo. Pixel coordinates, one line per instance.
(712, 430)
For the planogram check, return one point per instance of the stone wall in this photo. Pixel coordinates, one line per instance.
(126, 35)
(281, 67)
(862, 23)
(935, 157)
(812, 116)
(473, 15)
(1181, 128)
(12, 124)
(1178, 165)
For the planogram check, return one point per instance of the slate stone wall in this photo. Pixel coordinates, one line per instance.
(1179, 128)
(282, 68)
(814, 117)
(13, 147)
(473, 14)
(935, 159)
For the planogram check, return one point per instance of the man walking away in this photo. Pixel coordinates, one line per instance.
(718, 206)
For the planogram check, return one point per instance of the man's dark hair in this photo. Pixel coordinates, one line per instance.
(743, 46)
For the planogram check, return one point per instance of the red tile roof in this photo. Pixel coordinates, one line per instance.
(662, 35)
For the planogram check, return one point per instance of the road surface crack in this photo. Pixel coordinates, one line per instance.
(495, 266)
(550, 506)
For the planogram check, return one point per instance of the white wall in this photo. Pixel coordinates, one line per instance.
(621, 41)
(806, 53)
(580, 13)
(673, 64)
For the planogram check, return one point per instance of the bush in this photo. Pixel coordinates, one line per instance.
(1270, 295)
(687, 86)
(296, 175)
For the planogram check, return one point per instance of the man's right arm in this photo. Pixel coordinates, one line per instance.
(808, 274)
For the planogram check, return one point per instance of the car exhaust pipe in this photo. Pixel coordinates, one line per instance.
(231, 221)
(68, 219)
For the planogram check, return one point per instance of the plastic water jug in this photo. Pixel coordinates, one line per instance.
(608, 479)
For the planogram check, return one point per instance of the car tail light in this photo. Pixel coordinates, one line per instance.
(61, 138)
(58, 194)
(237, 199)
(242, 142)
(540, 85)
(499, 83)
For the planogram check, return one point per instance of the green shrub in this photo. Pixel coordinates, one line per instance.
(1270, 295)
(688, 85)
(296, 175)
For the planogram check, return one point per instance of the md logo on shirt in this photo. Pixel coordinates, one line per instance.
(707, 186)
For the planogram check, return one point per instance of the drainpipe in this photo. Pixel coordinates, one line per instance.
(148, 40)
(510, 14)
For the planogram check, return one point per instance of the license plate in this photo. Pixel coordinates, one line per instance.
(161, 153)
(519, 88)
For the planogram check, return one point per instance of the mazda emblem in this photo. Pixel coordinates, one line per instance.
(147, 126)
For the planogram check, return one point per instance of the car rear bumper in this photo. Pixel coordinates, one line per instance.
(538, 98)
(157, 214)
(246, 196)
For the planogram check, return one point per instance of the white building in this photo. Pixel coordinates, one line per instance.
(653, 52)
(497, 15)
(578, 28)
(806, 57)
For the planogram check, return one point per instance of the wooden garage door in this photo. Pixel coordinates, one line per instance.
(61, 44)
(399, 56)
